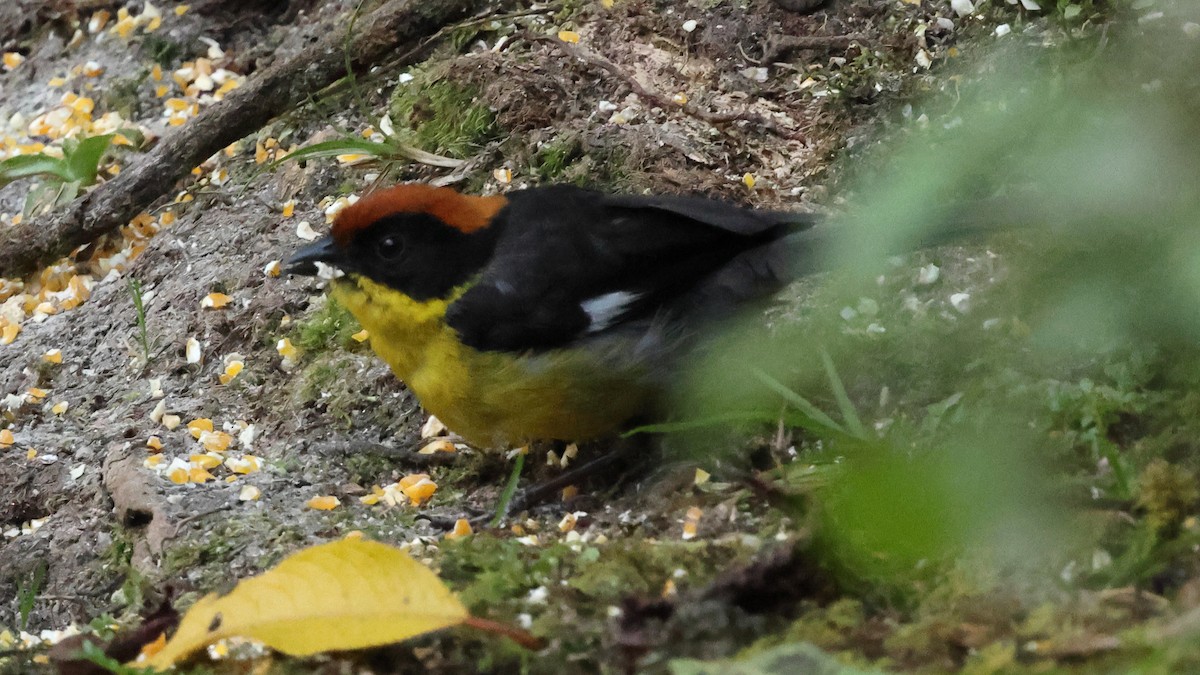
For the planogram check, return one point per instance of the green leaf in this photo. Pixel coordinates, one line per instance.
(340, 146)
(802, 404)
(84, 161)
(66, 193)
(849, 413)
(25, 166)
(378, 150)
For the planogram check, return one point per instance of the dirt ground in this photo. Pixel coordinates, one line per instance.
(104, 534)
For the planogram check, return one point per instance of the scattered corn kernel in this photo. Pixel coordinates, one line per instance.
(417, 487)
(205, 461)
(749, 180)
(199, 426)
(171, 422)
(232, 370)
(568, 522)
(98, 21)
(6, 438)
(702, 476)
(503, 175)
(8, 333)
(273, 269)
(568, 36)
(462, 528)
(249, 493)
(289, 208)
(569, 492)
(36, 394)
(192, 350)
(12, 60)
(215, 441)
(215, 301)
(432, 427)
(361, 336)
(324, 503)
(440, 445)
(53, 356)
(246, 464)
(154, 443)
(691, 522)
(287, 350)
(178, 475)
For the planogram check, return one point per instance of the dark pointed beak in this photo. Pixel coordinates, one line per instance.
(302, 261)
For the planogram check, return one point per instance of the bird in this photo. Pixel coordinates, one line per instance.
(550, 313)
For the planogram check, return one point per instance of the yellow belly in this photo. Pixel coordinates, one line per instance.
(494, 399)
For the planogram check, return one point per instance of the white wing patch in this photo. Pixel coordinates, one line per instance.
(604, 309)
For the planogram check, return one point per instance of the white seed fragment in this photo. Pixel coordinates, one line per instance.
(929, 274)
(192, 350)
(305, 231)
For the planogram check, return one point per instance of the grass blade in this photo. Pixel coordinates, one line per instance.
(849, 413)
(509, 490)
(800, 403)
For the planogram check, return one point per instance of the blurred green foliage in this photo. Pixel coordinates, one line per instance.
(1031, 407)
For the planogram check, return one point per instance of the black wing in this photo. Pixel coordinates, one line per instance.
(571, 262)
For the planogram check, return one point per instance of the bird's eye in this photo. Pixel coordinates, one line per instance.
(390, 247)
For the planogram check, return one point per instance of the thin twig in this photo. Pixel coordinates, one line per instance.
(203, 514)
(778, 46)
(656, 98)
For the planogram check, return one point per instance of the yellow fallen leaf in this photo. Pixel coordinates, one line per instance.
(347, 594)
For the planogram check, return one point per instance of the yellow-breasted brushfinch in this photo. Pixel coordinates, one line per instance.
(548, 313)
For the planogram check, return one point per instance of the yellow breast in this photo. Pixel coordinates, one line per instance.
(494, 399)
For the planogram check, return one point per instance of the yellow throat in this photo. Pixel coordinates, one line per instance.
(494, 398)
